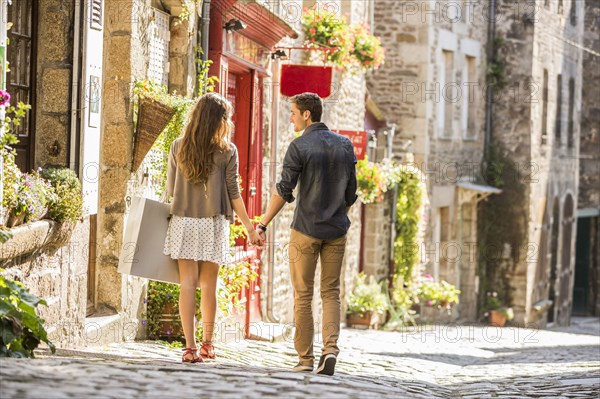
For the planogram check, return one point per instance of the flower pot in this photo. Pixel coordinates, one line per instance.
(497, 319)
(170, 323)
(364, 322)
(14, 221)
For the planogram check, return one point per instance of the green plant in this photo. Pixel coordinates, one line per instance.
(502, 230)
(12, 179)
(401, 301)
(324, 29)
(34, 195)
(366, 297)
(436, 294)
(374, 179)
(411, 190)
(21, 330)
(67, 204)
(12, 119)
(367, 51)
(493, 302)
(497, 67)
(5, 235)
(349, 45)
(182, 105)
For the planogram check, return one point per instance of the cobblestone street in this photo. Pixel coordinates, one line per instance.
(436, 362)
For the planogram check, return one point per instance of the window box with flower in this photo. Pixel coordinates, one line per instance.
(52, 193)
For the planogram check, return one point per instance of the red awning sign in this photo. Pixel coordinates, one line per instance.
(296, 79)
(359, 141)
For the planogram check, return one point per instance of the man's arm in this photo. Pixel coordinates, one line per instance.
(275, 204)
(350, 193)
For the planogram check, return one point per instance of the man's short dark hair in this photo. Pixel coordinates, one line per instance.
(309, 102)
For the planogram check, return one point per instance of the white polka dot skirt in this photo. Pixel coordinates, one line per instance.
(204, 239)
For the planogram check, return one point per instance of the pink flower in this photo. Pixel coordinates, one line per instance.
(4, 98)
(312, 31)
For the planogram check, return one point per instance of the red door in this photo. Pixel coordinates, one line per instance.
(242, 89)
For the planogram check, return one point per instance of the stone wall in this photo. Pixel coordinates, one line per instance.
(125, 59)
(55, 272)
(54, 82)
(377, 246)
(412, 90)
(589, 155)
(545, 165)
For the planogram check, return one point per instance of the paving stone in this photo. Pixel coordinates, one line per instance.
(372, 364)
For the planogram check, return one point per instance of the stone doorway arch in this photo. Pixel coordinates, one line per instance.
(564, 279)
(554, 243)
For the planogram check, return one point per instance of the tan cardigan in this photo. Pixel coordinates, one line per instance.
(194, 200)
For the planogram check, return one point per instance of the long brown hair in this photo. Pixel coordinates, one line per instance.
(207, 132)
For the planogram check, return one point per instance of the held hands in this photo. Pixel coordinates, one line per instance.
(257, 239)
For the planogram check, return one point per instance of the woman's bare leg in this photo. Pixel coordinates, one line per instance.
(188, 277)
(209, 273)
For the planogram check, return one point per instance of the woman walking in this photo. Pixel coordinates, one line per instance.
(202, 178)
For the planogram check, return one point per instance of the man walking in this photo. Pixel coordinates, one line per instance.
(323, 163)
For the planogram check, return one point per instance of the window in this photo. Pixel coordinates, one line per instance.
(448, 94)
(558, 121)
(570, 132)
(573, 13)
(545, 108)
(469, 98)
(21, 77)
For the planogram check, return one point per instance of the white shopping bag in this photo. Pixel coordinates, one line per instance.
(144, 240)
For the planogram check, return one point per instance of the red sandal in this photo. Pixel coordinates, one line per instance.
(207, 351)
(194, 359)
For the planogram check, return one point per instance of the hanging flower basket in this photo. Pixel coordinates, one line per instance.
(153, 117)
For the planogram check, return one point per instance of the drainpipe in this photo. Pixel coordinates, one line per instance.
(3, 36)
(489, 102)
(389, 154)
(372, 16)
(275, 69)
(202, 31)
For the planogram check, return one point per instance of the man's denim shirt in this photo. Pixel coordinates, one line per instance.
(323, 163)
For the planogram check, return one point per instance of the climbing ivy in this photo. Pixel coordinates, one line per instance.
(502, 228)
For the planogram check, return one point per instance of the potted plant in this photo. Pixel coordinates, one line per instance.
(441, 295)
(435, 299)
(366, 303)
(498, 314)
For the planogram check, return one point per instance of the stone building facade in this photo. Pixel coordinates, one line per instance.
(431, 89)
(536, 126)
(586, 294)
(40, 256)
(89, 302)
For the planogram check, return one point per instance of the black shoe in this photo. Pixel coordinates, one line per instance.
(301, 367)
(327, 364)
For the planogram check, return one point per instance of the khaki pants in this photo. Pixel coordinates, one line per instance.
(304, 251)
